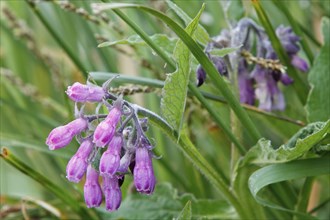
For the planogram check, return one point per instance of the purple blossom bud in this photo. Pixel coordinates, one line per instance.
(92, 188)
(288, 39)
(77, 165)
(200, 75)
(61, 136)
(105, 131)
(110, 159)
(299, 63)
(220, 65)
(85, 93)
(285, 79)
(112, 193)
(144, 178)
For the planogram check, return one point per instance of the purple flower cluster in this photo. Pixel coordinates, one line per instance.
(258, 76)
(118, 141)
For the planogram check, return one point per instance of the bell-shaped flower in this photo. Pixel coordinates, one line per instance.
(112, 193)
(61, 136)
(85, 93)
(105, 131)
(77, 165)
(92, 188)
(110, 159)
(144, 178)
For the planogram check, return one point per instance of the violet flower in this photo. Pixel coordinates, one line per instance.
(85, 93)
(110, 159)
(105, 131)
(61, 136)
(112, 193)
(144, 178)
(92, 188)
(77, 165)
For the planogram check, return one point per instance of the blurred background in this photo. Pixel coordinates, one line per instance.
(48, 45)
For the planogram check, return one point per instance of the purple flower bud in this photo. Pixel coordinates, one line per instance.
(285, 79)
(299, 63)
(85, 93)
(144, 178)
(288, 39)
(200, 75)
(112, 193)
(220, 65)
(105, 131)
(110, 159)
(92, 188)
(77, 165)
(61, 136)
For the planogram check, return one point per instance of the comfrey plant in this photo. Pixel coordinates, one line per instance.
(258, 76)
(116, 140)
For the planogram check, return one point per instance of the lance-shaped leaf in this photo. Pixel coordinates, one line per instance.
(318, 102)
(303, 141)
(176, 85)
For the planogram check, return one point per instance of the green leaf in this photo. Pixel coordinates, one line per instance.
(318, 102)
(288, 171)
(165, 203)
(186, 212)
(176, 85)
(224, 51)
(200, 34)
(304, 140)
(162, 40)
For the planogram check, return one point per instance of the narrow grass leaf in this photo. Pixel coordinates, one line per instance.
(175, 90)
(162, 40)
(200, 34)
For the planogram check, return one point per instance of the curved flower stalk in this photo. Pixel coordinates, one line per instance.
(118, 135)
(260, 84)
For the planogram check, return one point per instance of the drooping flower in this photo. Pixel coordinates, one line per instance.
(110, 159)
(144, 178)
(77, 165)
(85, 93)
(92, 188)
(61, 136)
(112, 193)
(267, 92)
(105, 131)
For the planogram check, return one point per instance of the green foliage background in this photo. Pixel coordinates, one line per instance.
(46, 47)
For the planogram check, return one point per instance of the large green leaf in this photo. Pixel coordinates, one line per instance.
(287, 171)
(200, 34)
(305, 139)
(165, 203)
(318, 102)
(176, 85)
